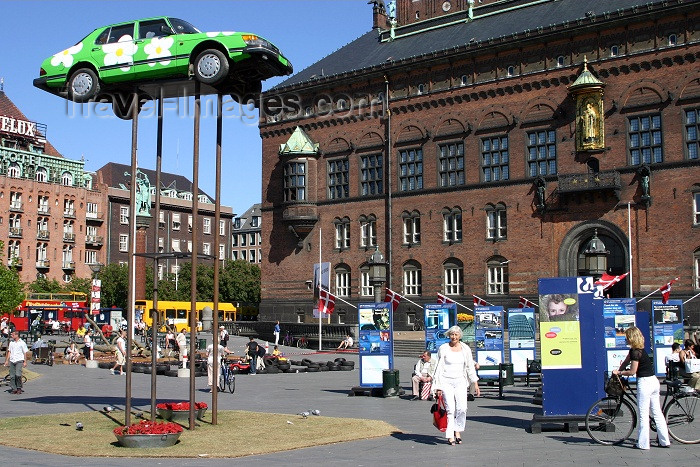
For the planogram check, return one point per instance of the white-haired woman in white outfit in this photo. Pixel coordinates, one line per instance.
(454, 373)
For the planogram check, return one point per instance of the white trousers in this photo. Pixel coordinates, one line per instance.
(648, 388)
(277, 337)
(455, 391)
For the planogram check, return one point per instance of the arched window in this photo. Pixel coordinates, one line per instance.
(411, 227)
(696, 269)
(412, 278)
(561, 61)
(41, 175)
(672, 39)
(510, 71)
(497, 276)
(614, 51)
(496, 222)
(453, 277)
(368, 231)
(14, 170)
(464, 80)
(66, 179)
(366, 289)
(452, 225)
(342, 280)
(421, 89)
(342, 233)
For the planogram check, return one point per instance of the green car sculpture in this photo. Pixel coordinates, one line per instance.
(156, 57)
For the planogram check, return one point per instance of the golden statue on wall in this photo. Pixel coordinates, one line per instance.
(590, 118)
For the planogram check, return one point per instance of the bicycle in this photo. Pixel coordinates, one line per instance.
(227, 378)
(303, 343)
(5, 381)
(288, 340)
(612, 419)
(418, 325)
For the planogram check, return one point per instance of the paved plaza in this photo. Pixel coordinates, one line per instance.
(497, 429)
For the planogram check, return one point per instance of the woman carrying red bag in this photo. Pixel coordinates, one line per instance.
(454, 373)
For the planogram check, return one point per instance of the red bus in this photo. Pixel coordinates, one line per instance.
(67, 308)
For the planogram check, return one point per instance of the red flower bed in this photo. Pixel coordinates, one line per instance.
(181, 406)
(147, 427)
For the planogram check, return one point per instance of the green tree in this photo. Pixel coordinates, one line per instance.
(239, 281)
(43, 285)
(79, 284)
(11, 288)
(115, 285)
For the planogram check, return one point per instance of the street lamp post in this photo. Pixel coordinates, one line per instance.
(595, 257)
(377, 274)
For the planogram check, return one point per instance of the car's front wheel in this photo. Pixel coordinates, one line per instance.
(83, 85)
(211, 67)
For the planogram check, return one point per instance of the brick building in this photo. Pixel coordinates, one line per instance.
(246, 240)
(482, 146)
(51, 209)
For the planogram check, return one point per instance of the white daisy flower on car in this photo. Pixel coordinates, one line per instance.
(65, 57)
(223, 33)
(157, 48)
(121, 52)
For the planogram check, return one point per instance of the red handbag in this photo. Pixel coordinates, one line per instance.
(439, 414)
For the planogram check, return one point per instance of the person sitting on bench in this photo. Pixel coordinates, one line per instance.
(347, 342)
(421, 374)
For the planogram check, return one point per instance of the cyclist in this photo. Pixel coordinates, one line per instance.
(210, 363)
(648, 389)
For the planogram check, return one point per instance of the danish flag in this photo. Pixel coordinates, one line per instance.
(393, 298)
(525, 303)
(607, 280)
(326, 302)
(443, 299)
(480, 301)
(666, 290)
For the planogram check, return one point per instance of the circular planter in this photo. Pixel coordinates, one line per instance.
(148, 441)
(179, 415)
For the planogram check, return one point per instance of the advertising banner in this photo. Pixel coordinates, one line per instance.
(521, 338)
(438, 319)
(322, 276)
(618, 315)
(95, 295)
(488, 336)
(376, 345)
(667, 329)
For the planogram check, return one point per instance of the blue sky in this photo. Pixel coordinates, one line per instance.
(304, 30)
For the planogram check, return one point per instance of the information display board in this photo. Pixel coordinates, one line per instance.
(488, 336)
(618, 315)
(667, 329)
(375, 341)
(521, 338)
(438, 319)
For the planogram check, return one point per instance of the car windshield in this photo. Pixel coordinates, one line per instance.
(183, 27)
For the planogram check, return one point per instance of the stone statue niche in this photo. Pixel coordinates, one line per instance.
(143, 193)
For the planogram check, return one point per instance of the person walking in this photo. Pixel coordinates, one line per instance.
(454, 373)
(120, 353)
(223, 336)
(252, 350)
(210, 364)
(15, 359)
(181, 341)
(648, 389)
(277, 332)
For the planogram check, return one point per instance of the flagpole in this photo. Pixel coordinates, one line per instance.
(691, 298)
(320, 281)
(404, 298)
(629, 246)
(644, 298)
(347, 303)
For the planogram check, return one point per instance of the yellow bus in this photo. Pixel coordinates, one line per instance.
(178, 313)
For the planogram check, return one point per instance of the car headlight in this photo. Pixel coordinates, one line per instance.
(251, 39)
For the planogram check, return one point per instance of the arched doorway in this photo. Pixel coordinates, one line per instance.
(615, 240)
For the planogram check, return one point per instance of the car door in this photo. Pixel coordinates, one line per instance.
(156, 53)
(113, 53)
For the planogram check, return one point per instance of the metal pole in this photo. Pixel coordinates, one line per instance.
(195, 231)
(388, 175)
(320, 282)
(154, 330)
(629, 246)
(217, 242)
(132, 250)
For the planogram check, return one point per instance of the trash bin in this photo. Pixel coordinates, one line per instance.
(201, 344)
(506, 376)
(390, 380)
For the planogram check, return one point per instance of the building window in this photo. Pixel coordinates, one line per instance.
(189, 246)
(189, 223)
(411, 169)
(644, 136)
(542, 153)
(672, 40)
(366, 289)
(411, 228)
(43, 204)
(368, 231)
(91, 210)
(41, 249)
(15, 200)
(338, 179)
(252, 256)
(342, 233)
(614, 51)
(295, 181)
(206, 248)
(696, 269)
(421, 89)
(464, 80)
(14, 171)
(454, 277)
(342, 281)
(494, 158)
(696, 208)
(13, 250)
(452, 225)
(451, 164)
(251, 239)
(90, 257)
(67, 179)
(67, 277)
(175, 245)
(372, 175)
(255, 221)
(692, 141)
(561, 61)
(41, 175)
(510, 71)
(497, 276)
(68, 207)
(412, 280)
(222, 252)
(234, 255)
(124, 215)
(496, 226)
(123, 242)
(244, 255)
(207, 225)
(222, 227)
(234, 240)
(176, 221)
(67, 255)
(244, 239)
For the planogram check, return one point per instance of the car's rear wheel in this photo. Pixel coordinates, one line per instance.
(83, 85)
(122, 105)
(211, 67)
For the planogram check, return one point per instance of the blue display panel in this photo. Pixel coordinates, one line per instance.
(667, 329)
(375, 341)
(488, 336)
(521, 338)
(438, 319)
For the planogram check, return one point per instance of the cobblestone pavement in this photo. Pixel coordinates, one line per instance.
(496, 434)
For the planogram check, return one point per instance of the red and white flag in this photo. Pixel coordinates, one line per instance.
(443, 299)
(666, 290)
(326, 302)
(393, 298)
(480, 301)
(607, 280)
(525, 303)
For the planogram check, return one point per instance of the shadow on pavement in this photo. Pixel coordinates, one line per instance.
(501, 421)
(417, 438)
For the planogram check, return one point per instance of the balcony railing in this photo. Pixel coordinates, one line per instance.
(45, 210)
(69, 213)
(590, 182)
(95, 216)
(14, 261)
(94, 239)
(68, 237)
(43, 263)
(69, 265)
(16, 232)
(42, 235)
(16, 206)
